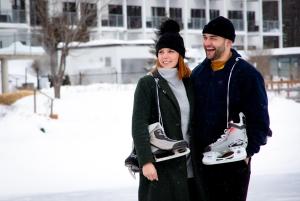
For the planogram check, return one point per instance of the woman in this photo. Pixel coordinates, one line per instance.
(167, 180)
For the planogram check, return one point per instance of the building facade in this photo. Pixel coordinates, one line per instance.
(291, 23)
(258, 23)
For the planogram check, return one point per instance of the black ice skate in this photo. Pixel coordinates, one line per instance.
(131, 162)
(164, 148)
(230, 147)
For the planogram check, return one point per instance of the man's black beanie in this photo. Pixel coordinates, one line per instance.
(220, 26)
(169, 37)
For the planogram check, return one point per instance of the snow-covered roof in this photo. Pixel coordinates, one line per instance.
(111, 42)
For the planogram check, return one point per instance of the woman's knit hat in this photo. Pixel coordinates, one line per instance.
(169, 37)
(220, 26)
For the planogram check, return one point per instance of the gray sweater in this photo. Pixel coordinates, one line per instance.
(177, 87)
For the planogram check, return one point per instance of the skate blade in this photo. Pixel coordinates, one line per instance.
(132, 173)
(174, 155)
(213, 158)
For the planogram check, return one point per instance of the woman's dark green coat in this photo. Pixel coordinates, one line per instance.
(172, 174)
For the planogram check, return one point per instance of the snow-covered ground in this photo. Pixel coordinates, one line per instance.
(84, 149)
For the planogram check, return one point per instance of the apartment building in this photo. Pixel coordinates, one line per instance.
(258, 23)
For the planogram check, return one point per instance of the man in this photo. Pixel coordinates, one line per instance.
(226, 85)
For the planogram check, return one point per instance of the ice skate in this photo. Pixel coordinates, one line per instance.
(230, 147)
(131, 162)
(164, 148)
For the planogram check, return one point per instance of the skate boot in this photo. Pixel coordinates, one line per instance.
(164, 148)
(131, 162)
(230, 147)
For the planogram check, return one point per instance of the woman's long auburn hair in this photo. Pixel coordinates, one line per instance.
(183, 70)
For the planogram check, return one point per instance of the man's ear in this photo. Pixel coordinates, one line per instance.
(228, 43)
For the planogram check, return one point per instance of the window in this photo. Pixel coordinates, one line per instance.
(69, 7)
(107, 62)
(176, 14)
(115, 9)
(158, 11)
(18, 4)
(69, 11)
(134, 17)
(115, 17)
(271, 41)
(198, 13)
(213, 14)
(89, 12)
(251, 21)
(197, 19)
(236, 16)
(35, 8)
(18, 11)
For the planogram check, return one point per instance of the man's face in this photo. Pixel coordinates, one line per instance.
(215, 46)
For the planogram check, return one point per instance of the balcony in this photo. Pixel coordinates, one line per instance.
(271, 26)
(134, 22)
(196, 23)
(71, 17)
(154, 22)
(112, 20)
(12, 16)
(238, 24)
(18, 43)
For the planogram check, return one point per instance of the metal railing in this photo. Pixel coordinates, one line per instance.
(134, 22)
(112, 20)
(13, 16)
(51, 115)
(270, 25)
(20, 43)
(196, 23)
(238, 24)
(154, 22)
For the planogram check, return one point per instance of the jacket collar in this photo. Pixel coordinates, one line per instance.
(166, 90)
(230, 62)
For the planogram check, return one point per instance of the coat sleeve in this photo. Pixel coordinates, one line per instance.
(141, 117)
(256, 111)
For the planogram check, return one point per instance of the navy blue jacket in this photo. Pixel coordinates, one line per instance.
(246, 94)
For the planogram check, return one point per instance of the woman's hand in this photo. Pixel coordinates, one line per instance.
(149, 171)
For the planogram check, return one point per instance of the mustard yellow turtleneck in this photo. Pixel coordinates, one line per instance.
(217, 65)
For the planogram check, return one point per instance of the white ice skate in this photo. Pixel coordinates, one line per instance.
(230, 147)
(164, 148)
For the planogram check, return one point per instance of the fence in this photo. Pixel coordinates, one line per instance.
(290, 88)
(112, 77)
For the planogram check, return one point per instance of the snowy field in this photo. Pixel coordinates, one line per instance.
(80, 156)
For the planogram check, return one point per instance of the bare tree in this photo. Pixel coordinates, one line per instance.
(59, 29)
(261, 59)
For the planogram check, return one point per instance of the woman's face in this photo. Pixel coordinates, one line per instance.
(168, 58)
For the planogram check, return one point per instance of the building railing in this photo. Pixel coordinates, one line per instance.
(196, 23)
(112, 20)
(291, 88)
(134, 22)
(20, 44)
(238, 24)
(12, 16)
(270, 25)
(154, 22)
(71, 17)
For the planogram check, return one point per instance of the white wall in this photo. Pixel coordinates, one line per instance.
(94, 58)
